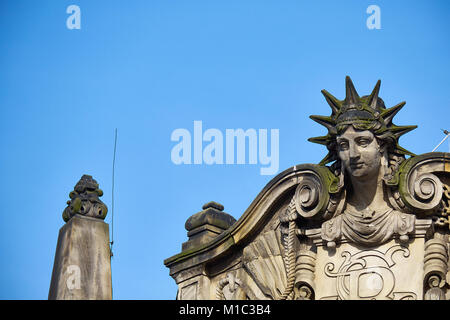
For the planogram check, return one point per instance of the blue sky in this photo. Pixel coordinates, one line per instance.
(150, 67)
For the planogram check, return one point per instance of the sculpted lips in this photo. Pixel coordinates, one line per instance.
(356, 165)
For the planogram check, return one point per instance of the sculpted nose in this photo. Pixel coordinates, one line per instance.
(353, 152)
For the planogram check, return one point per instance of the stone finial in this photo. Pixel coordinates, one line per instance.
(213, 204)
(84, 200)
(205, 225)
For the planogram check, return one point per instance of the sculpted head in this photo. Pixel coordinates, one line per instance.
(361, 137)
(360, 153)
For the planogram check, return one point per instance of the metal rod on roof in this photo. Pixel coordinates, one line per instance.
(447, 134)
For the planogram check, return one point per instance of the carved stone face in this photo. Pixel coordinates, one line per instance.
(359, 152)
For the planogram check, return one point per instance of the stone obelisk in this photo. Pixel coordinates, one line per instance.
(82, 267)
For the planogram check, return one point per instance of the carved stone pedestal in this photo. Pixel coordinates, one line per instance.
(82, 268)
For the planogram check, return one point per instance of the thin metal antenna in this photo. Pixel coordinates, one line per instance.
(112, 193)
(112, 210)
(447, 134)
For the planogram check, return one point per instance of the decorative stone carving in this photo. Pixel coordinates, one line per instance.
(304, 274)
(263, 260)
(207, 224)
(442, 218)
(82, 264)
(368, 229)
(365, 223)
(368, 282)
(421, 191)
(84, 200)
(392, 270)
(435, 267)
(231, 288)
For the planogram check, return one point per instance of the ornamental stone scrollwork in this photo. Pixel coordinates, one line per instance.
(420, 190)
(441, 218)
(84, 200)
(366, 275)
(231, 288)
(370, 221)
(435, 268)
(313, 195)
(305, 274)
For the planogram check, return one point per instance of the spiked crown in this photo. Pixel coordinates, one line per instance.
(363, 113)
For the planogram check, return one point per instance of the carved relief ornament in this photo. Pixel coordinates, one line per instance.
(375, 203)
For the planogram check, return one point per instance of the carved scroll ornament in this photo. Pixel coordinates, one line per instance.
(84, 200)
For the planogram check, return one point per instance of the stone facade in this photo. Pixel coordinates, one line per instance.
(373, 224)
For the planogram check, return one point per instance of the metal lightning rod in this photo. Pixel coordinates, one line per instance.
(112, 192)
(447, 134)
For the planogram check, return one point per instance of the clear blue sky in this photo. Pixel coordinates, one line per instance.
(150, 67)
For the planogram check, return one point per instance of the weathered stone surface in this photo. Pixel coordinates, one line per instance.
(82, 267)
(84, 200)
(391, 271)
(372, 225)
(205, 225)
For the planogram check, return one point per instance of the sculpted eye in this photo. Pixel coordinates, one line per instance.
(363, 142)
(343, 145)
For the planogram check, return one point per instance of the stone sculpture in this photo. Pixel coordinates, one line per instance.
(82, 266)
(365, 223)
(84, 200)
